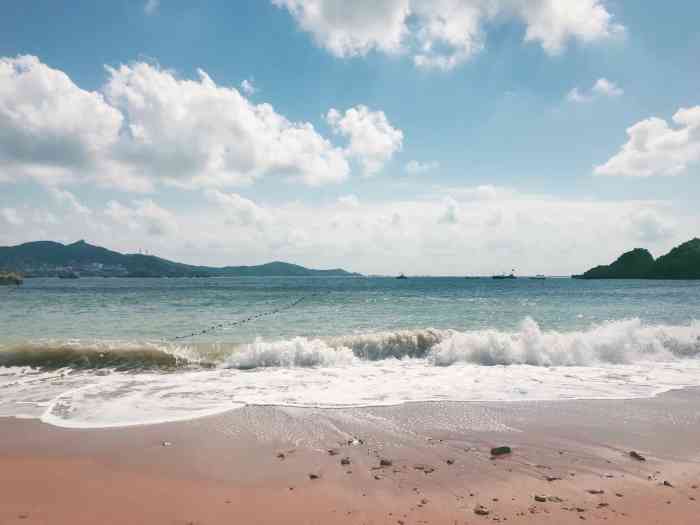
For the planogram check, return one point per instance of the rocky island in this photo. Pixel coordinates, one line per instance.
(682, 262)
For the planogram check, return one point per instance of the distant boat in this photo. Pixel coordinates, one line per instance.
(402, 276)
(68, 275)
(538, 277)
(510, 275)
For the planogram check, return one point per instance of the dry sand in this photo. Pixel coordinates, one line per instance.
(253, 466)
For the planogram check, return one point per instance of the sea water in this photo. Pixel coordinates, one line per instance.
(98, 352)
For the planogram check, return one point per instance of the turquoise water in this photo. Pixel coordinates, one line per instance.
(100, 352)
(153, 309)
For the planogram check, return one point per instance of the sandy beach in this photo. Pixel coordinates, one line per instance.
(409, 464)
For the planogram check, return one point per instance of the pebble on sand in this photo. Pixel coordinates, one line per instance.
(637, 456)
(500, 451)
(480, 510)
(385, 462)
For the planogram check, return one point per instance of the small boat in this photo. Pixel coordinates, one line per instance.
(402, 276)
(68, 275)
(510, 275)
(538, 277)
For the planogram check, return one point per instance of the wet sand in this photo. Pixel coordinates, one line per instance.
(570, 463)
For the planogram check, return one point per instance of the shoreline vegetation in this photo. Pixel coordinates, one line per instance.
(53, 259)
(682, 262)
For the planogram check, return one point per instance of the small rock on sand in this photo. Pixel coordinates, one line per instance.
(314, 476)
(637, 456)
(668, 484)
(595, 492)
(552, 478)
(500, 451)
(541, 499)
(450, 461)
(167, 444)
(345, 461)
(480, 510)
(385, 462)
(333, 452)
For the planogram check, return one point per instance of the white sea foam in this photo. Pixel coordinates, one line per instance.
(618, 342)
(620, 359)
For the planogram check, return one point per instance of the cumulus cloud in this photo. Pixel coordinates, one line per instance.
(144, 215)
(372, 139)
(602, 88)
(147, 126)
(414, 167)
(194, 132)
(656, 148)
(248, 87)
(240, 210)
(350, 201)
(11, 216)
(444, 33)
(476, 236)
(69, 200)
(51, 129)
(650, 226)
(449, 215)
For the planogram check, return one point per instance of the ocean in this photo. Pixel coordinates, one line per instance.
(96, 352)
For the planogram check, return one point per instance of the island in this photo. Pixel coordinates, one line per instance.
(53, 259)
(682, 262)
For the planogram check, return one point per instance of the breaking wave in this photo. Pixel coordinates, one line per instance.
(95, 355)
(614, 342)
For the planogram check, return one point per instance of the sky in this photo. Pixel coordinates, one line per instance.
(443, 137)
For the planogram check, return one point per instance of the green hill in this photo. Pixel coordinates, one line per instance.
(682, 262)
(51, 258)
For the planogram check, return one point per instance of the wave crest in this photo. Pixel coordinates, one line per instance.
(614, 342)
(95, 355)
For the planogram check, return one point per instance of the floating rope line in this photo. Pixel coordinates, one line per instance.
(239, 322)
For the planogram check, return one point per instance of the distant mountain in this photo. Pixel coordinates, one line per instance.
(683, 262)
(47, 258)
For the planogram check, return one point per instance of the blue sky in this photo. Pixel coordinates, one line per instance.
(454, 136)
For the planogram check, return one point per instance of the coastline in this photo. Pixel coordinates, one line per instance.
(253, 465)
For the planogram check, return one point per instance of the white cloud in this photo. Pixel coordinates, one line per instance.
(649, 225)
(655, 148)
(144, 215)
(602, 88)
(151, 6)
(197, 133)
(450, 214)
(148, 126)
(444, 33)
(248, 87)
(373, 140)
(68, 199)
(240, 210)
(350, 201)
(476, 236)
(51, 129)
(352, 28)
(484, 192)
(11, 216)
(414, 166)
